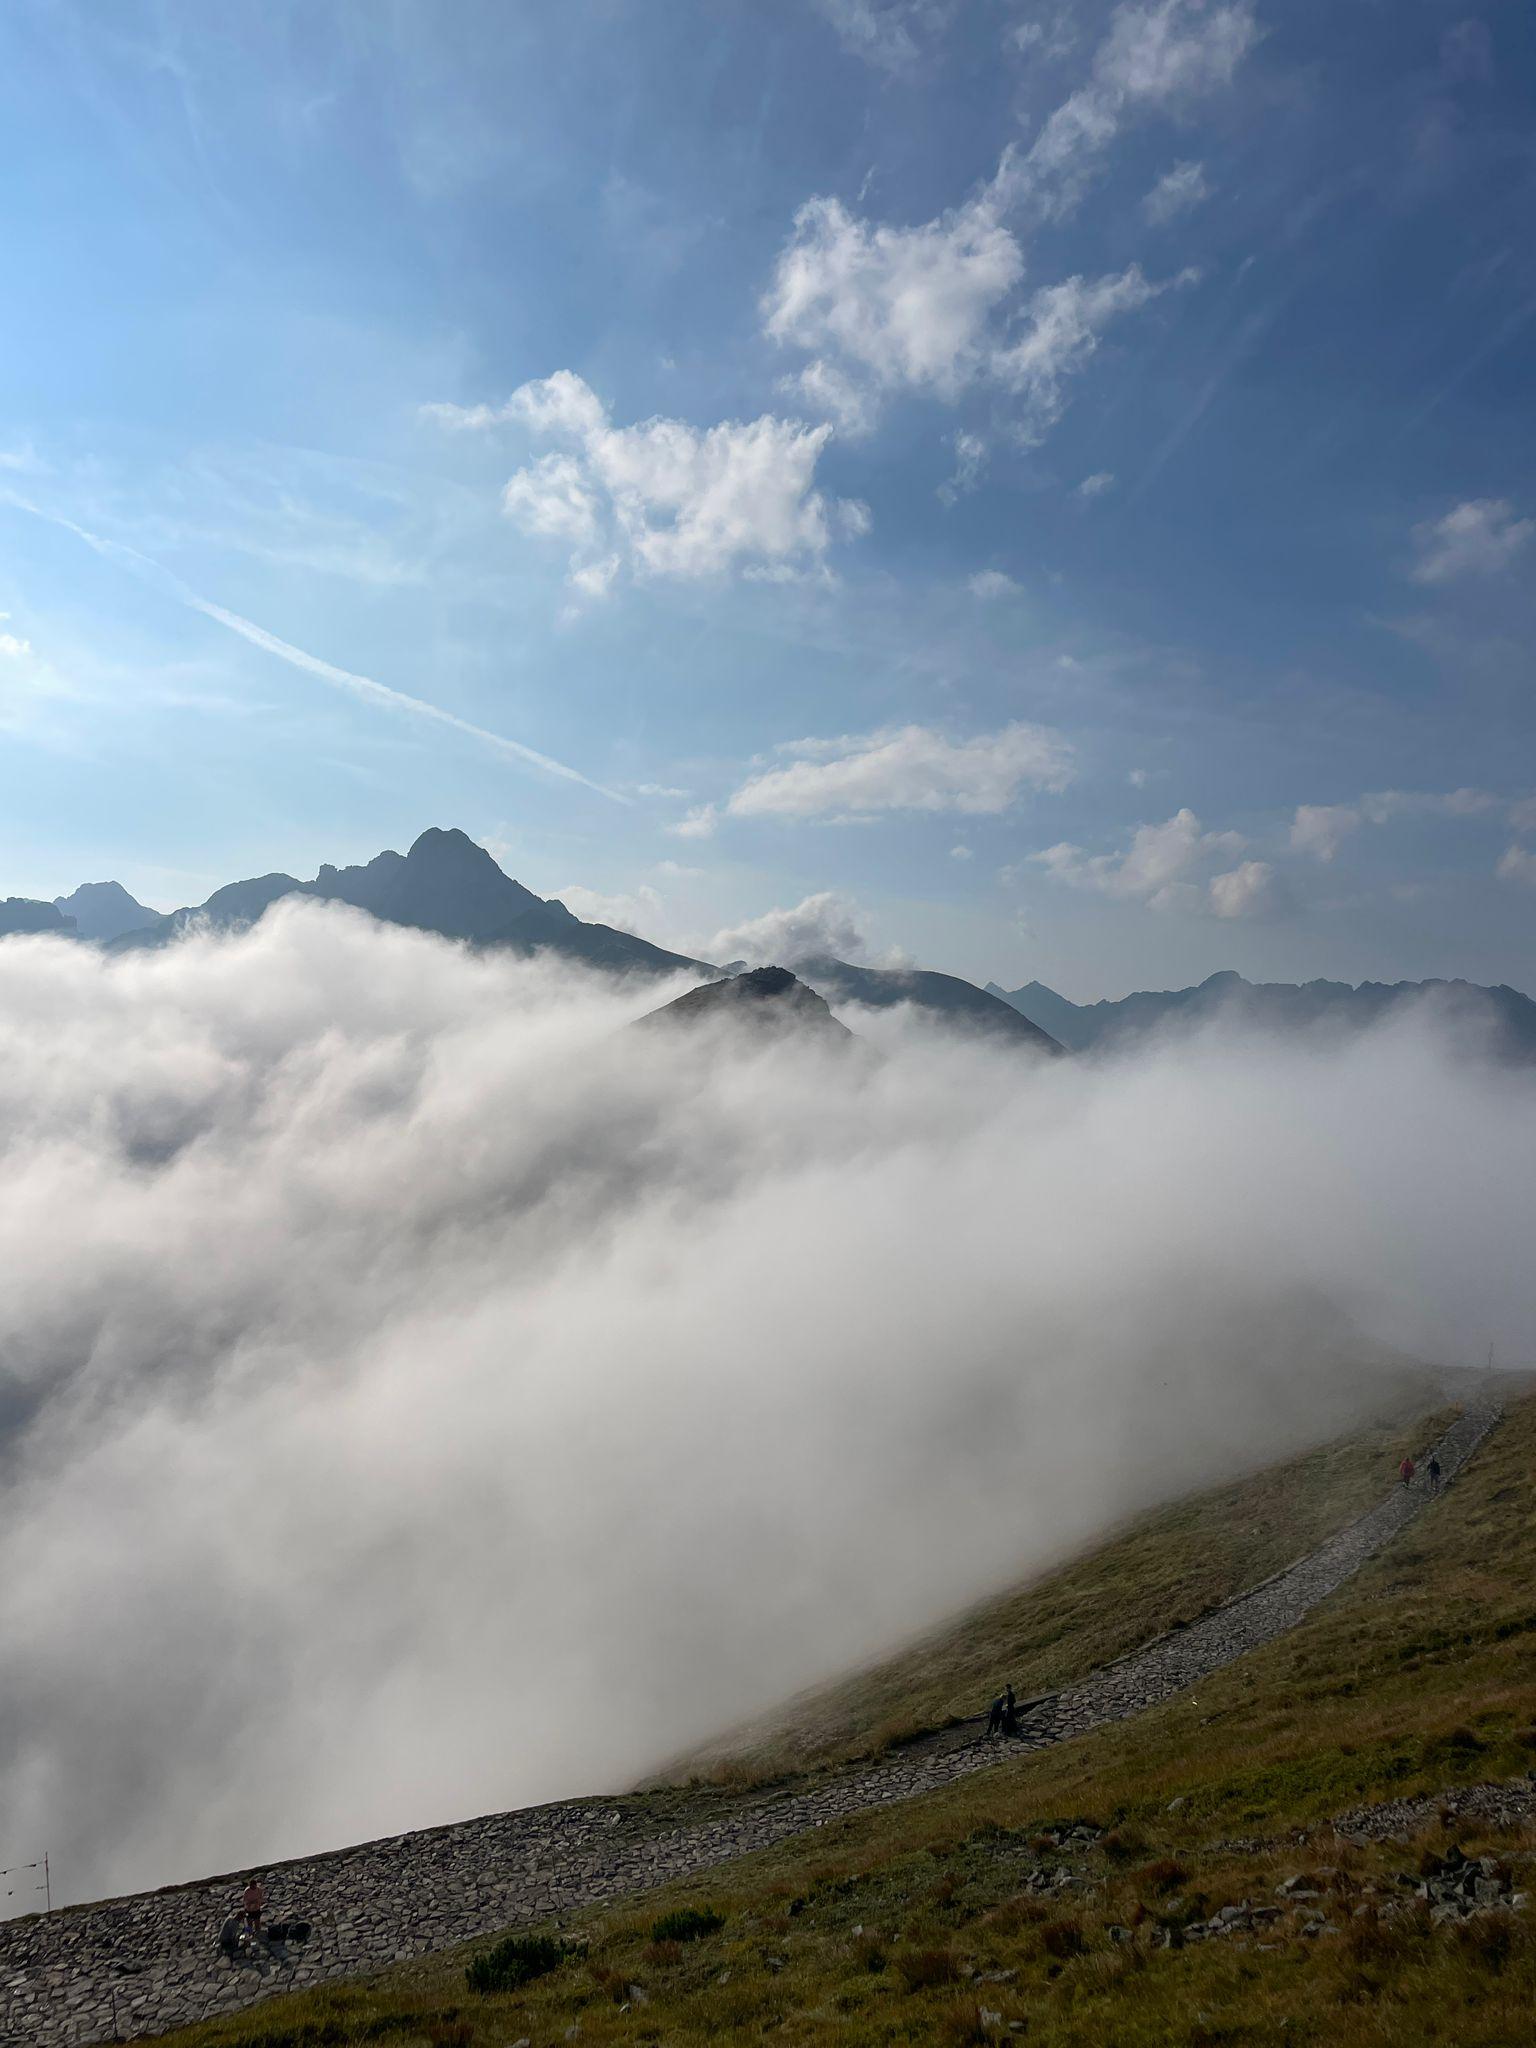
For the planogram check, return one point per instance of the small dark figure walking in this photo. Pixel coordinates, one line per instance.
(1010, 1713)
(1405, 1471)
(1434, 1474)
(995, 1715)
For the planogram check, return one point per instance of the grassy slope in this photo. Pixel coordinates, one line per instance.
(1419, 1674)
(1164, 1567)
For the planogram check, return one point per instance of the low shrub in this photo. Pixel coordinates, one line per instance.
(1163, 1874)
(688, 1923)
(515, 1962)
(921, 1969)
(1062, 1939)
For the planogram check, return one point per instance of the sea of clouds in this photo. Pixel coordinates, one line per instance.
(421, 1395)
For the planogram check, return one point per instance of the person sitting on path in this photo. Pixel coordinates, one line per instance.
(253, 1902)
(1405, 1471)
(1434, 1473)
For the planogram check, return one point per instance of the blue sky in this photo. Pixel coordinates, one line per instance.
(1051, 489)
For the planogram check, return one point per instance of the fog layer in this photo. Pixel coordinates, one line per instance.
(422, 1395)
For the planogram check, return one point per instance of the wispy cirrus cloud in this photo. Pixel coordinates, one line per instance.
(1175, 192)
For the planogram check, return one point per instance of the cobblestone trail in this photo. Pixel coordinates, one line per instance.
(143, 1965)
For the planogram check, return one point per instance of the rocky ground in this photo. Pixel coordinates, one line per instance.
(143, 1965)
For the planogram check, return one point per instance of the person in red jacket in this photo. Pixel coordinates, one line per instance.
(1405, 1471)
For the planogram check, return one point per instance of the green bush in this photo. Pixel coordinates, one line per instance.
(515, 1962)
(687, 1924)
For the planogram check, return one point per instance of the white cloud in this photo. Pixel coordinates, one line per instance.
(961, 853)
(1479, 537)
(822, 926)
(1156, 868)
(661, 789)
(1522, 814)
(235, 1227)
(886, 33)
(1320, 829)
(664, 498)
(1379, 806)
(1518, 864)
(636, 912)
(1156, 56)
(1097, 485)
(881, 308)
(970, 459)
(14, 648)
(1063, 325)
(1244, 891)
(908, 768)
(990, 583)
(699, 823)
(1186, 185)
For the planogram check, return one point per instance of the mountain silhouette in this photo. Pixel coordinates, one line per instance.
(1321, 1007)
(104, 911)
(765, 1002)
(448, 884)
(24, 914)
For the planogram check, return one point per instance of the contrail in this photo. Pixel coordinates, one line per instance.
(363, 687)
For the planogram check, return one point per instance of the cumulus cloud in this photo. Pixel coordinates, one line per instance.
(637, 911)
(907, 768)
(1518, 864)
(822, 926)
(1158, 868)
(1097, 485)
(1321, 829)
(1244, 891)
(880, 308)
(1175, 192)
(401, 1355)
(1479, 537)
(699, 823)
(990, 583)
(663, 498)
(890, 306)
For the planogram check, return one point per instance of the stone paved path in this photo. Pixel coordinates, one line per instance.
(143, 1965)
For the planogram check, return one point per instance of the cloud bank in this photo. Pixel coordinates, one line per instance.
(424, 1396)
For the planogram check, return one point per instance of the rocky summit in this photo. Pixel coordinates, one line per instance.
(766, 1001)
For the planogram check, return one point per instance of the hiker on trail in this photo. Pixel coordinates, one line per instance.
(1010, 1713)
(253, 1902)
(1434, 1473)
(995, 1715)
(1405, 1471)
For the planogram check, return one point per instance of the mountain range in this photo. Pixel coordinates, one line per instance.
(1319, 1007)
(447, 883)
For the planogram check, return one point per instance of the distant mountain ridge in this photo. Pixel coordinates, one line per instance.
(104, 911)
(1272, 1005)
(959, 1004)
(20, 914)
(446, 883)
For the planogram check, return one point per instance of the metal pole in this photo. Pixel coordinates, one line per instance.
(47, 1881)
